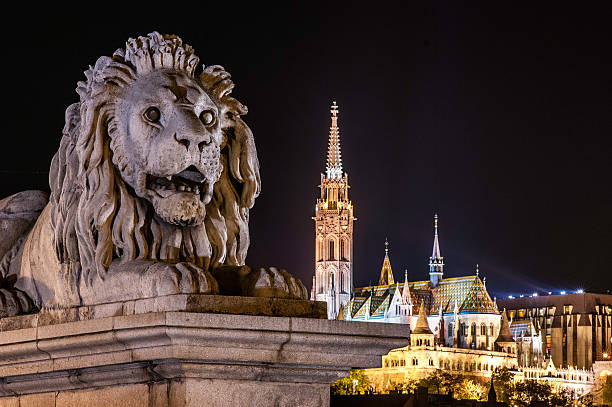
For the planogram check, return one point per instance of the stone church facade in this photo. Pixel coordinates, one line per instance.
(459, 310)
(333, 278)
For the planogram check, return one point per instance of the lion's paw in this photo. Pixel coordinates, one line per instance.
(273, 282)
(14, 302)
(201, 280)
(180, 278)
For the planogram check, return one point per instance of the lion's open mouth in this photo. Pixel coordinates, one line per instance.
(189, 180)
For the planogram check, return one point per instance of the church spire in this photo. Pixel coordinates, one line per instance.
(435, 253)
(406, 299)
(386, 274)
(436, 261)
(334, 159)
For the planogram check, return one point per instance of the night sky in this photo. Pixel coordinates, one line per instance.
(498, 118)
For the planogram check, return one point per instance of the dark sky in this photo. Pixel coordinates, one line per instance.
(498, 117)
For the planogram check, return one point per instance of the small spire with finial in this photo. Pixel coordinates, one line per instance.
(334, 159)
(386, 246)
(477, 270)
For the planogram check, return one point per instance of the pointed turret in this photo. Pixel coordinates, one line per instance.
(492, 397)
(421, 335)
(406, 298)
(505, 342)
(436, 261)
(422, 326)
(334, 158)
(386, 274)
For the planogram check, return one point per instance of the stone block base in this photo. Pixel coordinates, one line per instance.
(174, 358)
(182, 393)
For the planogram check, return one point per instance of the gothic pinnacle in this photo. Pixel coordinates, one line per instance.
(334, 158)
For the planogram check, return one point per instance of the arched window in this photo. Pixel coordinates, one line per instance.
(333, 283)
(483, 329)
(342, 256)
(321, 248)
(430, 362)
(332, 255)
(450, 330)
(491, 329)
(473, 328)
(341, 282)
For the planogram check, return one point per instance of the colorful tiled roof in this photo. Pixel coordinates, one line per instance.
(468, 292)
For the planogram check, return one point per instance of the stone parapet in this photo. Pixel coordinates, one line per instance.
(223, 359)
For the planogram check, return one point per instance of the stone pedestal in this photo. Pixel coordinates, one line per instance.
(110, 355)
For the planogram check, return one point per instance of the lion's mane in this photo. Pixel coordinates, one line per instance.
(95, 214)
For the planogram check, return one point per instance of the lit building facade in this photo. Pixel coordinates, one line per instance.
(333, 278)
(459, 310)
(575, 329)
(423, 356)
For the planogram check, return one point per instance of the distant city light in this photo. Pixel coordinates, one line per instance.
(534, 294)
(521, 295)
(511, 296)
(562, 292)
(579, 291)
(550, 292)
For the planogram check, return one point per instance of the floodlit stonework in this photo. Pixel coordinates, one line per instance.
(333, 278)
(575, 328)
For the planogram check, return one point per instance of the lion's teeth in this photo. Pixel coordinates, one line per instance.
(169, 177)
(181, 187)
(187, 189)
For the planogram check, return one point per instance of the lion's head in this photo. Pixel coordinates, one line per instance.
(155, 163)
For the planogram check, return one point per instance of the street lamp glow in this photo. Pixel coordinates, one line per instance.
(579, 291)
(562, 292)
(534, 294)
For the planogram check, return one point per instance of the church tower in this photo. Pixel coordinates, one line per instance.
(333, 278)
(436, 261)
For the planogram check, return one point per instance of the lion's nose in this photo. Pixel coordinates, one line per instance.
(189, 139)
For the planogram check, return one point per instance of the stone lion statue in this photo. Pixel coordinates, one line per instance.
(150, 191)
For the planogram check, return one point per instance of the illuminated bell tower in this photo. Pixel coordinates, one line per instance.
(333, 278)
(436, 261)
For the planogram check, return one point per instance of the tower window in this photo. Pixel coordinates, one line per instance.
(333, 285)
(331, 250)
(341, 282)
(342, 256)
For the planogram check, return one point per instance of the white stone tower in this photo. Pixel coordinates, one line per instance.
(436, 261)
(333, 278)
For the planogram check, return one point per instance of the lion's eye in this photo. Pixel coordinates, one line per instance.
(207, 117)
(152, 114)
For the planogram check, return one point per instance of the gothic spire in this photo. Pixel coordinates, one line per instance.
(435, 253)
(406, 299)
(334, 159)
(386, 274)
(436, 261)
